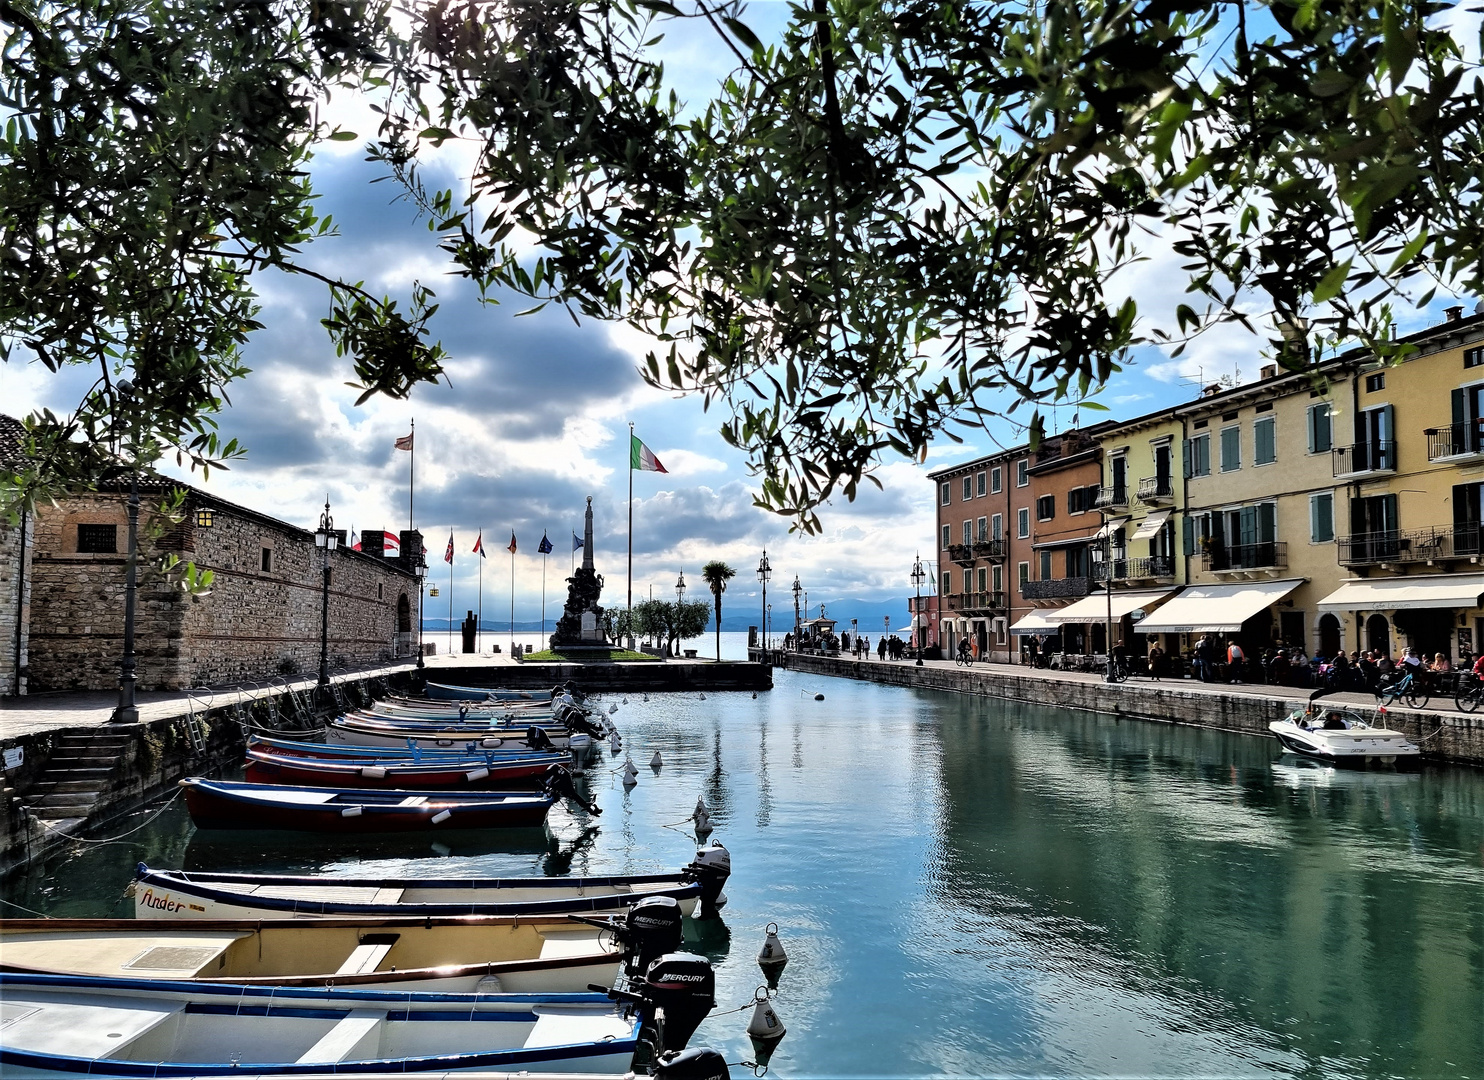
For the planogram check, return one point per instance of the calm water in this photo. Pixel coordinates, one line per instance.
(970, 888)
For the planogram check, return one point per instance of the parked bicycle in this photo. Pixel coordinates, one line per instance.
(1468, 693)
(1409, 687)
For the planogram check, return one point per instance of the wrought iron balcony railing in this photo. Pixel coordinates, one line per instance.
(1267, 556)
(1455, 440)
(963, 554)
(1379, 456)
(1156, 490)
(993, 550)
(1153, 566)
(972, 602)
(1111, 498)
(1435, 544)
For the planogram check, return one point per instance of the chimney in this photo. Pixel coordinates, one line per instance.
(1212, 390)
(1453, 314)
(1270, 371)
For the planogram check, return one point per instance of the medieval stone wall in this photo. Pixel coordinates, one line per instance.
(260, 618)
(16, 557)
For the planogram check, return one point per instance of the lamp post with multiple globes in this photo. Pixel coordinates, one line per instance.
(326, 539)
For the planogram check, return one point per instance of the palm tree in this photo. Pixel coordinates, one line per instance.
(716, 575)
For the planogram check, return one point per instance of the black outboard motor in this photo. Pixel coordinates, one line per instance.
(650, 930)
(710, 869)
(537, 739)
(558, 784)
(679, 989)
(697, 1063)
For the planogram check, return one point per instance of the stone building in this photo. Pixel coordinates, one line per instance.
(17, 543)
(260, 618)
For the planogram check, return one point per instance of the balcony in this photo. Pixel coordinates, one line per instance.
(963, 554)
(1269, 556)
(1157, 491)
(975, 603)
(1057, 589)
(1112, 499)
(1455, 441)
(993, 550)
(1424, 546)
(1365, 457)
(1145, 569)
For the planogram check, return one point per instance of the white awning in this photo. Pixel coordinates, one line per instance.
(1151, 525)
(1219, 608)
(1430, 591)
(1111, 526)
(1035, 623)
(1094, 608)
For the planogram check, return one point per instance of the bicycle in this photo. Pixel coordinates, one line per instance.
(1409, 687)
(963, 657)
(1468, 694)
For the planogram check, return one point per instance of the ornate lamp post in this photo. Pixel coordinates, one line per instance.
(127, 712)
(918, 575)
(764, 572)
(326, 540)
(680, 588)
(420, 568)
(796, 590)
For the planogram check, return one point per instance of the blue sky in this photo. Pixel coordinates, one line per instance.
(533, 418)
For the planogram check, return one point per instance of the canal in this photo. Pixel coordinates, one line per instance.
(970, 888)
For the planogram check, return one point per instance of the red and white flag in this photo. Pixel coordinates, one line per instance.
(479, 544)
(405, 442)
(355, 540)
(391, 547)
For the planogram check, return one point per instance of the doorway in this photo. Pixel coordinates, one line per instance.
(1329, 635)
(1378, 634)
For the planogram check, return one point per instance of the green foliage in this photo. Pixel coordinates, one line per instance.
(672, 623)
(716, 574)
(898, 215)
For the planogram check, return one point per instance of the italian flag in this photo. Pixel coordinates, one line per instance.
(642, 457)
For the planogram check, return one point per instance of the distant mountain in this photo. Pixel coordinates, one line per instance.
(867, 613)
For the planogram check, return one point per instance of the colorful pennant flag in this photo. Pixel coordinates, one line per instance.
(642, 457)
(448, 555)
(391, 547)
(512, 542)
(545, 546)
(479, 545)
(405, 442)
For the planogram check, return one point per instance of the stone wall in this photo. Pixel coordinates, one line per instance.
(17, 547)
(260, 618)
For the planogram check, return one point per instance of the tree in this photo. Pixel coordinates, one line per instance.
(716, 575)
(671, 622)
(154, 160)
(894, 212)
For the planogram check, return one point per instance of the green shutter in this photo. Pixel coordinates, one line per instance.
(1267, 525)
(1185, 460)
(1458, 405)
(1189, 525)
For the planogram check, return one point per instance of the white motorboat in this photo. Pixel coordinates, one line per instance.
(1341, 736)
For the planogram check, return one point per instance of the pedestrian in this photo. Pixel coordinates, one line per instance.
(1156, 661)
(881, 648)
(865, 645)
(1234, 660)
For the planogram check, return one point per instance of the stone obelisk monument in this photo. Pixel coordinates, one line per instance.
(582, 618)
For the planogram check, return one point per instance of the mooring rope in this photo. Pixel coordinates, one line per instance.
(120, 836)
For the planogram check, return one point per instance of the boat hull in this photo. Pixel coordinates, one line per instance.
(221, 805)
(470, 740)
(1366, 746)
(264, 768)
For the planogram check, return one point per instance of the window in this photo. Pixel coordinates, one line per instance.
(1046, 508)
(1022, 472)
(984, 528)
(945, 493)
(999, 631)
(378, 591)
(1231, 449)
(1321, 433)
(968, 581)
(1045, 564)
(1264, 438)
(266, 563)
(996, 526)
(947, 536)
(97, 539)
(1023, 570)
(983, 580)
(1076, 501)
(1473, 357)
(1023, 522)
(1322, 517)
(968, 488)
(997, 576)
(1375, 382)
(968, 533)
(1198, 455)
(947, 582)
(994, 481)
(979, 484)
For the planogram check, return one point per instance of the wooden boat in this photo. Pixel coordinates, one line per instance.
(446, 692)
(448, 755)
(227, 804)
(524, 772)
(357, 733)
(461, 709)
(446, 720)
(68, 1026)
(463, 955)
(194, 894)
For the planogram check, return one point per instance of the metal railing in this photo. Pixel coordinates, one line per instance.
(1434, 544)
(1152, 566)
(1154, 490)
(1363, 457)
(1455, 440)
(1056, 588)
(1266, 556)
(1111, 498)
(963, 554)
(989, 549)
(975, 601)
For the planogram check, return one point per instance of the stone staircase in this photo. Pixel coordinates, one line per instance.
(77, 774)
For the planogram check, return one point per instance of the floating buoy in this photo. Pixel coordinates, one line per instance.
(765, 1026)
(818, 697)
(700, 810)
(615, 743)
(613, 708)
(703, 825)
(625, 701)
(703, 697)
(754, 695)
(772, 954)
(630, 774)
(646, 696)
(656, 762)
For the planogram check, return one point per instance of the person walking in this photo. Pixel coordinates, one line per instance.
(881, 648)
(1156, 661)
(1234, 660)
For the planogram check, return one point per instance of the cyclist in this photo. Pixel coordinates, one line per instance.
(964, 655)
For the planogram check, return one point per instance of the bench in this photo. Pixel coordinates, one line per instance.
(356, 1034)
(367, 956)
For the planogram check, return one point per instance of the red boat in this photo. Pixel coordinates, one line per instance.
(267, 768)
(225, 804)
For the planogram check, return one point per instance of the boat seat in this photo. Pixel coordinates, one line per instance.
(413, 800)
(387, 896)
(557, 944)
(356, 1034)
(365, 958)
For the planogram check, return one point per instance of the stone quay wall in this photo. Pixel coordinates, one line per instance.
(260, 618)
(17, 547)
(1443, 736)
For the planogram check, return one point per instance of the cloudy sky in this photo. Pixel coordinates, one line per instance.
(533, 418)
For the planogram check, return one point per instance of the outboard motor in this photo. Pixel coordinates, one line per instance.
(710, 869)
(537, 739)
(697, 1063)
(650, 930)
(558, 785)
(679, 989)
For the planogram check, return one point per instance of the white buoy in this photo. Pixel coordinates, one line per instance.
(703, 826)
(630, 774)
(772, 954)
(613, 708)
(615, 743)
(625, 701)
(656, 761)
(765, 1026)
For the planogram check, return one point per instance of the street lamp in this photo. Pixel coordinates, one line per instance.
(326, 540)
(796, 590)
(127, 712)
(917, 575)
(420, 568)
(764, 572)
(1102, 554)
(680, 588)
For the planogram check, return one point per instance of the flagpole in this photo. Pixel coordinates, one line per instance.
(512, 594)
(544, 556)
(450, 595)
(631, 529)
(479, 626)
(411, 475)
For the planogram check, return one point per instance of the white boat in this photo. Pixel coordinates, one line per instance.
(1341, 736)
(70, 1026)
(456, 956)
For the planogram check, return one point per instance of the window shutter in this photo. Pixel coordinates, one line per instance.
(1267, 524)
(1185, 460)
(1458, 413)
(1189, 526)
